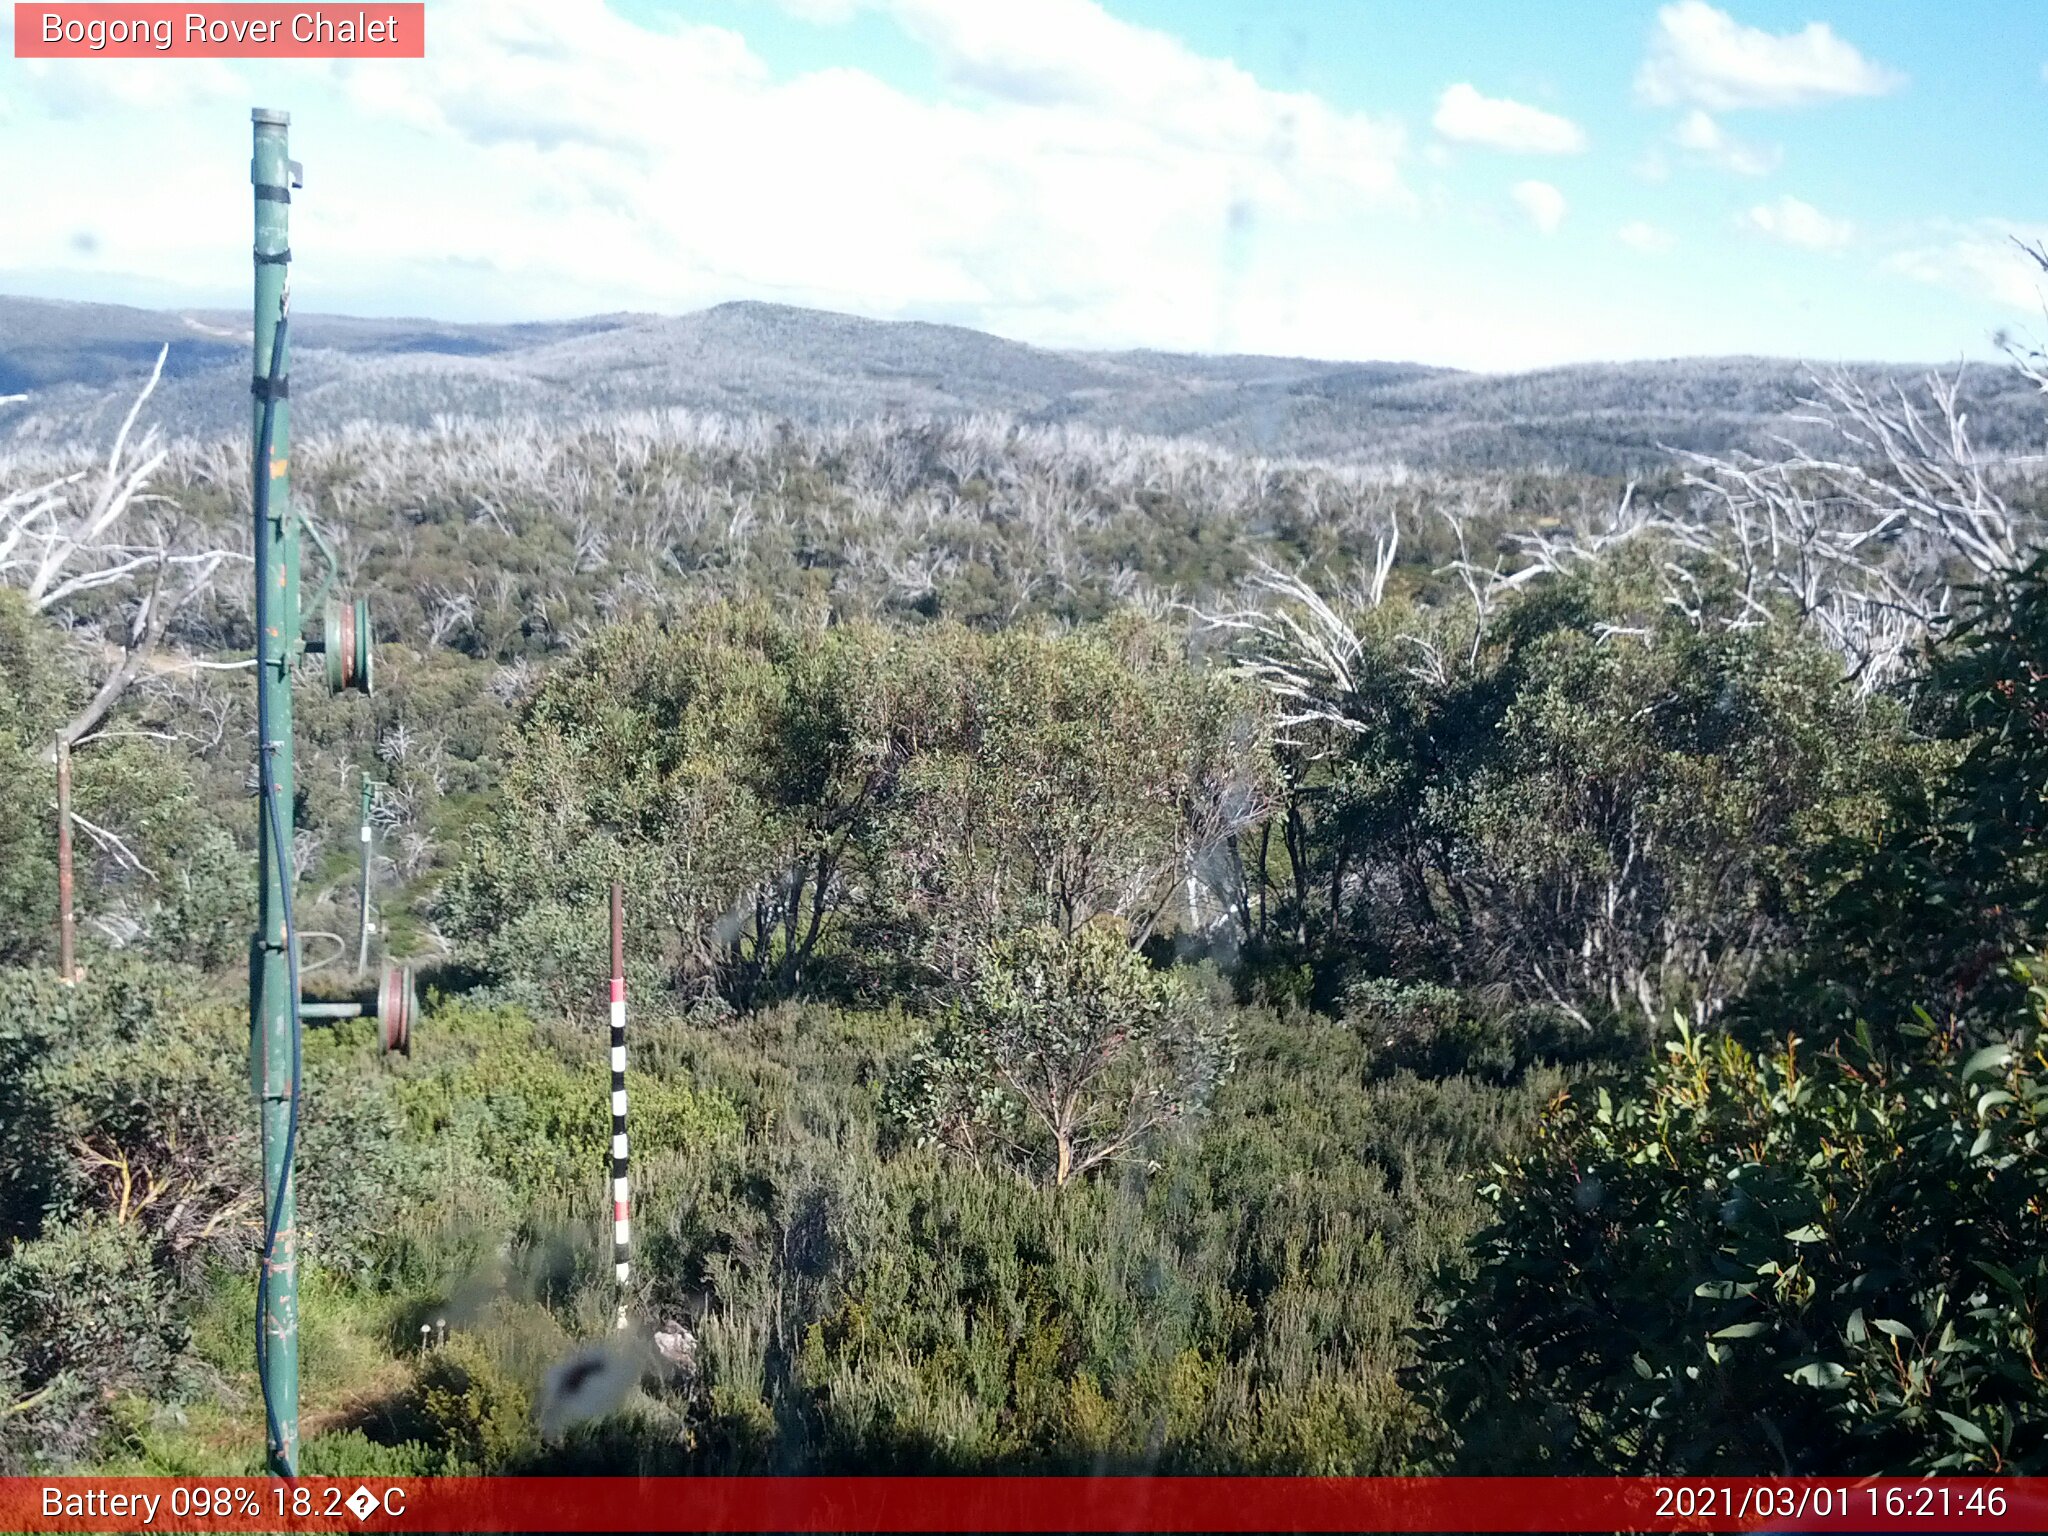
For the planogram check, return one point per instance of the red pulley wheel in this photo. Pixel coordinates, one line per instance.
(396, 1004)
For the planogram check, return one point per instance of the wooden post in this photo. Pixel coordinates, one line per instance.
(67, 927)
(363, 893)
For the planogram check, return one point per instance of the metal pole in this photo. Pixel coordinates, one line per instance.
(67, 929)
(363, 903)
(274, 989)
(330, 1011)
(621, 1198)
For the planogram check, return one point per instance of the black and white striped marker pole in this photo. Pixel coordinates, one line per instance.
(621, 1200)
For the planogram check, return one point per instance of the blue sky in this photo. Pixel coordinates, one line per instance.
(1472, 182)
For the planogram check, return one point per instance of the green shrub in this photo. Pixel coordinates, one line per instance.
(1616, 827)
(86, 1313)
(1789, 1261)
(38, 686)
(129, 1094)
(485, 1093)
(1438, 1031)
(803, 807)
(1921, 904)
(206, 907)
(351, 1453)
(1242, 1305)
(1068, 1053)
(126, 1093)
(463, 1407)
(357, 1176)
(1426, 1028)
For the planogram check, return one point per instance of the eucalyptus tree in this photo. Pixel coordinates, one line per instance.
(1065, 1052)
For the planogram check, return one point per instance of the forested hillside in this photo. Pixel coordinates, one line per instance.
(818, 369)
(1142, 956)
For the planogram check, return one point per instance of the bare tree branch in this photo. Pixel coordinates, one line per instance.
(59, 546)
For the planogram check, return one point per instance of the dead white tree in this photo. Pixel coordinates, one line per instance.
(1297, 645)
(77, 539)
(1865, 544)
(2031, 358)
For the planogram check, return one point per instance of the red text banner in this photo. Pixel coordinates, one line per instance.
(1023, 1504)
(108, 29)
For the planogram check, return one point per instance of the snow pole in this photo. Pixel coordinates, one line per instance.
(621, 1199)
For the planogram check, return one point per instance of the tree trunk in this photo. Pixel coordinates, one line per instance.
(1296, 833)
(67, 932)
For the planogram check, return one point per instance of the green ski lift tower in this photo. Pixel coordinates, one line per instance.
(277, 1014)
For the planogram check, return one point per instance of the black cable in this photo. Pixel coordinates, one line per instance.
(280, 853)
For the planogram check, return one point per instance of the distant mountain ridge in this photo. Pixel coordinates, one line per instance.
(79, 363)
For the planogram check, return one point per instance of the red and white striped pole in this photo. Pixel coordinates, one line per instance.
(621, 1200)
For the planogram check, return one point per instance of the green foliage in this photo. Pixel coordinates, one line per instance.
(917, 839)
(206, 903)
(721, 766)
(1439, 1031)
(1425, 1027)
(1830, 1264)
(782, 794)
(1068, 1052)
(487, 1095)
(35, 685)
(352, 1454)
(1764, 1256)
(128, 1095)
(1592, 803)
(1242, 1305)
(1924, 905)
(122, 1094)
(358, 1175)
(1055, 780)
(156, 863)
(128, 1163)
(184, 889)
(462, 1402)
(85, 1312)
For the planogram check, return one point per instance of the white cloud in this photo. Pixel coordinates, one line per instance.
(1701, 54)
(1542, 202)
(1072, 56)
(1074, 181)
(1470, 118)
(1979, 260)
(1648, 238)
(1706, 140)
(85, 88)
(1800, 224)
(1083, 181)
(1064, 79)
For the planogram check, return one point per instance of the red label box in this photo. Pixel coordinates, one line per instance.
(1025, 1504)
(71, 30)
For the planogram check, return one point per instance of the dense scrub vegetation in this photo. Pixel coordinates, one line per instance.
(1549, 989)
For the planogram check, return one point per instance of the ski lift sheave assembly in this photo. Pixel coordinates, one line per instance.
(345, 638)
(394, 1008)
